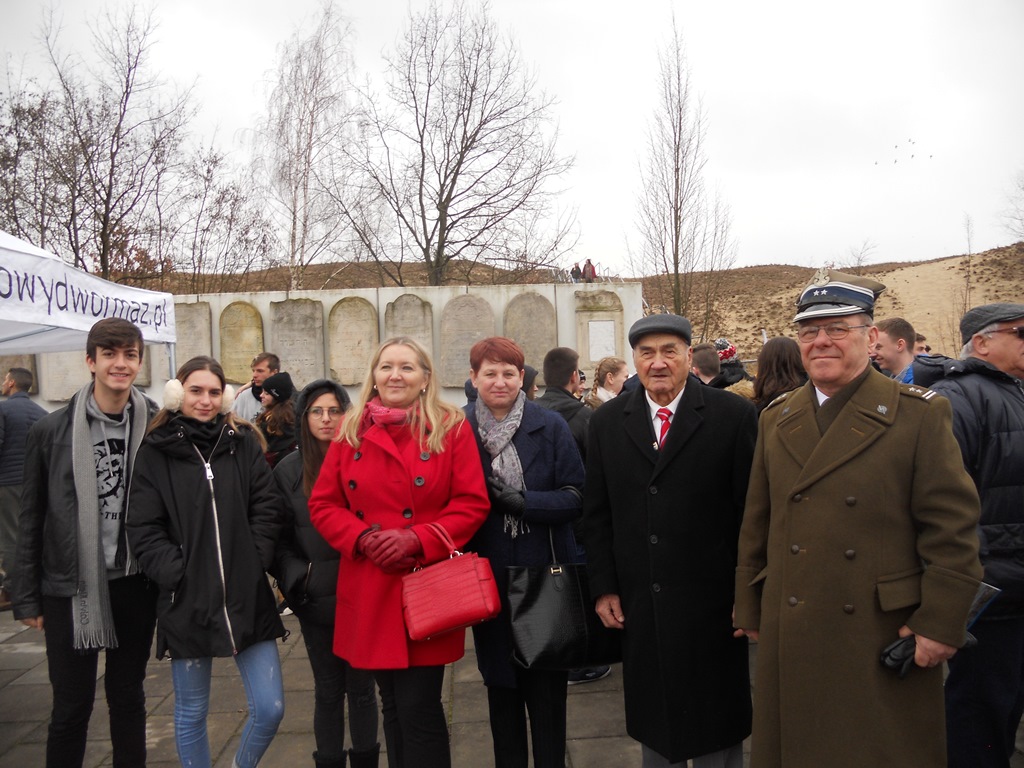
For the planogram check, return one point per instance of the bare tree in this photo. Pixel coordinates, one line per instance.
(1014, 214)
(461, 152)
(307, 119)
(671, 208)
(123, 131)
(858, 257)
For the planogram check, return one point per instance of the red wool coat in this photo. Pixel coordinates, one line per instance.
(395, 486)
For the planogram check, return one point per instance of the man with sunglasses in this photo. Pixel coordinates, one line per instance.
(985, 688)
(859, 529)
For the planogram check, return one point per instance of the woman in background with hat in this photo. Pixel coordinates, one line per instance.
(306, 568)
(277, 419)
(202, 521)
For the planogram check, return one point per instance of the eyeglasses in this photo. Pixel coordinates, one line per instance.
(583, 376)
(1017, 329)
(318, 412)
(835, 331)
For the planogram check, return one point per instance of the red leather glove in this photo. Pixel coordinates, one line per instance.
(387, 548)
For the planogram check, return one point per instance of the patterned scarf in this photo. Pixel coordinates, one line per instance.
(496, 437)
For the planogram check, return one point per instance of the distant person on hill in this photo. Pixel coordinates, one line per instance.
(589, 272)
(575, 273)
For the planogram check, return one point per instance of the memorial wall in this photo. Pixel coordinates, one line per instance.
(335, 333)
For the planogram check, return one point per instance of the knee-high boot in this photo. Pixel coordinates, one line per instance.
(338, 763)
(368, 759)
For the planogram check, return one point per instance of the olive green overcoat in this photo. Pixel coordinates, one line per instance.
(845, 538)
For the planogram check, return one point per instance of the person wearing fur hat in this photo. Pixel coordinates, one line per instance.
(203, 521)
(306, 568)
(277, 419)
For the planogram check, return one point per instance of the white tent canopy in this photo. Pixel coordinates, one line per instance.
(49, 306)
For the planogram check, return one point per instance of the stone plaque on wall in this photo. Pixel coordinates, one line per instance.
(464, 321)
(352, 338)
(297, 337)
(28, 362)
(61, 374)
(530, 322)
(409, 315)
(194, 338)
(599, 327)
(241, 339)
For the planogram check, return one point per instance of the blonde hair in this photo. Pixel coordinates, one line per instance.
(430, 422)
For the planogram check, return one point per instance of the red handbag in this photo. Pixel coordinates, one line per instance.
(448, 595)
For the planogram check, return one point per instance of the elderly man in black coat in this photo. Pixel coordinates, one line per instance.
(667, 469)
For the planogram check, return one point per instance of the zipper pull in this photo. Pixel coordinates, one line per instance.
(209, 471)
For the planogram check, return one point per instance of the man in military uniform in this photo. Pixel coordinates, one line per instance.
(859, 528)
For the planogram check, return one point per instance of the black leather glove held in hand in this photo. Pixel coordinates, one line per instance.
(506, 500)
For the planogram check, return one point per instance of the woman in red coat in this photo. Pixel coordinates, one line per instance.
(403, 459)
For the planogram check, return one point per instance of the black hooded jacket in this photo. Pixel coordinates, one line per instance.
(573, 411)
(306, 566)
(205, 533)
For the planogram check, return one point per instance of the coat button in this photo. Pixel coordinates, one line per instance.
(359, 514)
(795, 549)
(419, 480)
(352, 484)
(656, 587)
(850, 554)
(848, 609)
(654, 538)
(406, 513)
(793, 601)
(797, 497)
(654, 490)
(425, 456)
(358, 456)
(851, 501)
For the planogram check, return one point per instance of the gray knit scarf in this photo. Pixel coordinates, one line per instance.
(93, 621)
(496, 437)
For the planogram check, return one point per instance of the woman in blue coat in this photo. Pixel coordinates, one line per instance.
(534, 478)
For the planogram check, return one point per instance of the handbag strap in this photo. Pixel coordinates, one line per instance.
(442, 534)
(551, 540)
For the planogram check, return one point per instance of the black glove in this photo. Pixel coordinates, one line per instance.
(504, 499)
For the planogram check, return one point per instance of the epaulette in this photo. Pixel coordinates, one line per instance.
(778, 400)
(913, 390)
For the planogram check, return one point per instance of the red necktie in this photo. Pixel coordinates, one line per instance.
(664, 414)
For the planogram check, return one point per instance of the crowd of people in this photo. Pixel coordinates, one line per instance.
(844, 508)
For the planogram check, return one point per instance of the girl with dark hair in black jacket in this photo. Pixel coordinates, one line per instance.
(203, 520)
(306, 568)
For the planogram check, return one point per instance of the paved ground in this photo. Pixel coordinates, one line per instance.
(596, 726)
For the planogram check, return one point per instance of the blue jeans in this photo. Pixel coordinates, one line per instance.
(260, 668)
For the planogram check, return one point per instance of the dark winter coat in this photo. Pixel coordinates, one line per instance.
(205, 533)
(988, 421)
(575, 412)
(847, 537)
(306, 566)
(661, 531)
(553, 475)
(47, 557)
(391, 482)
(17, 415)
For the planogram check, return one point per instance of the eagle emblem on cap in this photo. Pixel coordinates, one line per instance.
(821, 277)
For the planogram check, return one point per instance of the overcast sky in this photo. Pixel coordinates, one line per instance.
(830, 124)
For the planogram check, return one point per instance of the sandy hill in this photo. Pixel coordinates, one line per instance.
(932, 295)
